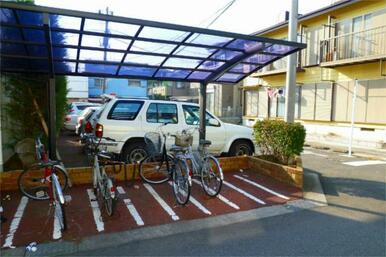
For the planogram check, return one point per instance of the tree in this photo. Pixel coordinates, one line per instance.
(27, 105)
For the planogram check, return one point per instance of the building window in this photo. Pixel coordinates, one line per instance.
(134, 83)
(99, 83)
(251, 102)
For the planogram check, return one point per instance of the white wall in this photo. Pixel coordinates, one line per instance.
(371, 137)
(77, 87)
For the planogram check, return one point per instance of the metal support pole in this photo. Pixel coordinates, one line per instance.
(202, 111)
(51, 118)
(51, 95)
(354, 98)
(289, 115)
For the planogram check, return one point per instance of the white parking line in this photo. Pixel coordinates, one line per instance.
(133, 211)
(364, 163)
(16, 222)
(221, 197)
(163, 204)
(262, 187)
(121, 190)
(253, 198)
(196, 203)
(96, 211)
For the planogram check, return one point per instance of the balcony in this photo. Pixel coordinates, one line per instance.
(277, 67)
(356, 47)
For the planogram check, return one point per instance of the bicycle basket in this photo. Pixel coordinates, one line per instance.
(153, 143)
(183, 140)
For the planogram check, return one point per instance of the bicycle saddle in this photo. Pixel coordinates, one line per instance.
(205, 142)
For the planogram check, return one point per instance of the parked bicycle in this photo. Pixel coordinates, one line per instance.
(202, 164)
(102, 183)
(46, 180)
(159, 166)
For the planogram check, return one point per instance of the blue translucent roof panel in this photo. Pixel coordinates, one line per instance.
(34, 35)
(6, 15)
(65, 38)
(37, 38)
(100, 55)
(182, 63)
(243, 68)
(137, 71)
(10, 34)
(13, 49)
(229, 77)
(199, 75)
(150, 60)
(165, 34)
(97, 68)
(194, 51)
(172, 73)
(152, 47)
(226, 55)
(65, 67)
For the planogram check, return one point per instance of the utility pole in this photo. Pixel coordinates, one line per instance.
(354, 97)
(289, 115)
(105, 45)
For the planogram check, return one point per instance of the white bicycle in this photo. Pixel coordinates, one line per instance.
(202, 164)
(103, 184)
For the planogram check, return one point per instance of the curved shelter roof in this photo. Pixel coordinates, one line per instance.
(67, 42)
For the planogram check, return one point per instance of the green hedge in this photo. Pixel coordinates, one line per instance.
(279, 139)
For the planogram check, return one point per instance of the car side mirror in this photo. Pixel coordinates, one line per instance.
(213, 122)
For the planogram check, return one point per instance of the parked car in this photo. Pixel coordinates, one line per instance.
(83, 117)
(73, 112)
(127, 121)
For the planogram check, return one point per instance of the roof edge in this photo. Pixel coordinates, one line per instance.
(338, 5)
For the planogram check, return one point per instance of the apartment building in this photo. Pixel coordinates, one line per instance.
(346, 41)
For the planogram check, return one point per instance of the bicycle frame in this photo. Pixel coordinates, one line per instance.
(99, 174)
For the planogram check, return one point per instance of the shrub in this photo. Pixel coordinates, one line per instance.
(280, 139)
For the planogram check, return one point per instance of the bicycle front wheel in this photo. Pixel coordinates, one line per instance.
(211, 176)
(60, 215)
(156, 169)
(109, 197)
(181, 182)
(32, 183)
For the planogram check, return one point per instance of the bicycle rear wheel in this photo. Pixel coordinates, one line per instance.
(211, 176)
(154, 169)
(181, 182)
(32, 183)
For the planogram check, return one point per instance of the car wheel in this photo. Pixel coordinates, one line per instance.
(240, 148)
(134, 152)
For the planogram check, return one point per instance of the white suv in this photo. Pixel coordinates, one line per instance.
(127, 121)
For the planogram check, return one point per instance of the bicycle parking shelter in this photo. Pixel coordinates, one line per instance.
(52, 41)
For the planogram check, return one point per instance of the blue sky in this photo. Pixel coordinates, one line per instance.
(244, 16)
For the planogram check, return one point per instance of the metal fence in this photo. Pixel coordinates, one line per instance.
(361, 44)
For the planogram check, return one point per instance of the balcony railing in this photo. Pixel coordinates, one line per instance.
(362, 45)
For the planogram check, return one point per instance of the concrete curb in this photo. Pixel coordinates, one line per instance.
(313, 197)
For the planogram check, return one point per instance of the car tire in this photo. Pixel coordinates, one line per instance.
(134, 152)
(240, 148)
